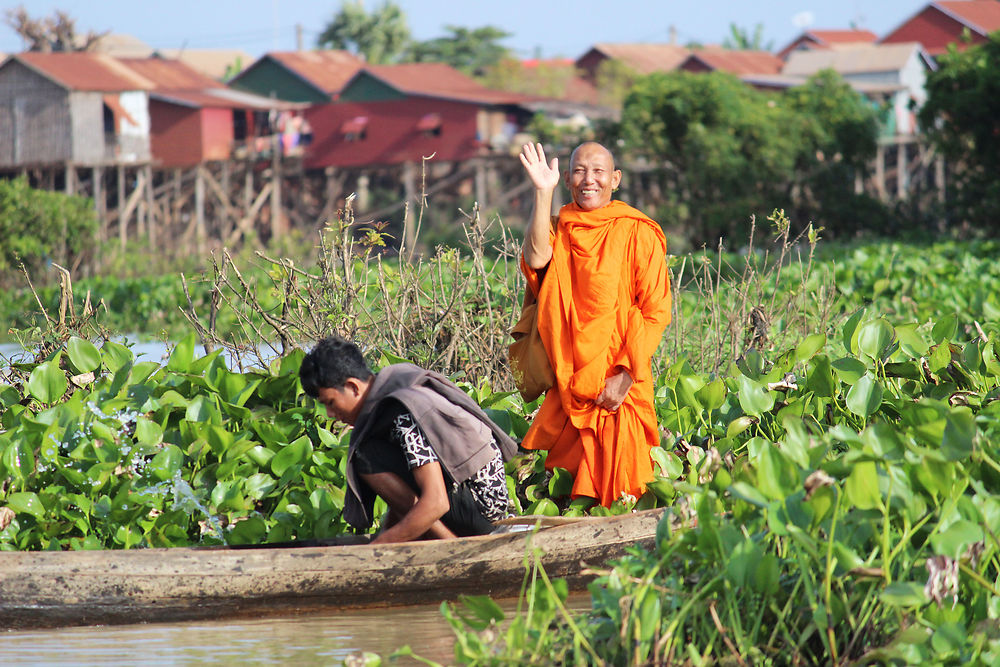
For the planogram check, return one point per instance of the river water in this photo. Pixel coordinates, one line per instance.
(294, 640)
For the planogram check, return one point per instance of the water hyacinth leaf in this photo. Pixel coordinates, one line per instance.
(202, 409)
(167, 463)
(777, 476)
(861, 486)
(850, 331)
(668, 463)
(865, 397)
(712, 395)
(955, 539)
(249, 530)
(749, 494)
(911, 342)
(939, 358)
(147, 432)
(227, 496)
(561, 483)
(662, 489)
(874, 337)
(945, 328)
(959, 435)
(115, 355)
(949, 638)
(182, 356)
(543, 506)
(820, 378)
(809, 346)
(904, 594)
(751, 364)
(26, 503)
(83, 355)
(19, 460)
(849, 369)
(766, 576)
(754, 398)
(738, 426)
(9, 396)
(484, 610)
(47, 382)
(293, 454)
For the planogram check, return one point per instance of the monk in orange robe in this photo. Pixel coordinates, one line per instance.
(603, 294)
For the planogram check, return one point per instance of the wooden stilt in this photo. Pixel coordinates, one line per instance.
(276, 187)
(199, 207)
(902, 172)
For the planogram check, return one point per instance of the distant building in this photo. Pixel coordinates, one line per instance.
(942, 23)
(820, 40)
(641, 58)
(81, 108)
(892, 73)
(194, 119)
(314, 77)
(392, 114)
(733, 61)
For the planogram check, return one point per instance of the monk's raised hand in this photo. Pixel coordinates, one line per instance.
(543, 176)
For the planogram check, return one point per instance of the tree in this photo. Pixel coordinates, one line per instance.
(469, 50)
(380, 37)
(544, 79)
(740, 39)
(722, 151)
(962, 118)
(54, 33)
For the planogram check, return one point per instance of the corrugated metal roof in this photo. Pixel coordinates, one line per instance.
(739, 62)
(830, 37)
(327, 71)
(85, 71)
(440, 80)
(169, 74)
(646, 58)
(867, 58)
(788, 81)
(983, 16)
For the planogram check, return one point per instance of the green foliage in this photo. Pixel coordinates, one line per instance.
(39, 227)
(545, 79)
(960, 116)
(469, 50)
(380, 36)
(727, 149)
(845, 519)
(741, 39)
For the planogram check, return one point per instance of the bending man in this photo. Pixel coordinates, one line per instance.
(419, 442)
(603, 293)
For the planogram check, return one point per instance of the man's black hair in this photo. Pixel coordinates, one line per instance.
(330, 364)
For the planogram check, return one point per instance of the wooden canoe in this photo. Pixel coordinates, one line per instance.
(63, 588)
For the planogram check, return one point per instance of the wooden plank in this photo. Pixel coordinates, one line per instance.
(49, 589)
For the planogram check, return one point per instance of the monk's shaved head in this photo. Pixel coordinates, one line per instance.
(592, 177)
(590, 146)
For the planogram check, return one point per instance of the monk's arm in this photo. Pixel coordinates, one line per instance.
(537, 248)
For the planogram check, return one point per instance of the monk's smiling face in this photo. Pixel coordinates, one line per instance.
(592, 176)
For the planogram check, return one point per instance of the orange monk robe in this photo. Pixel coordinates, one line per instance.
(603, 304)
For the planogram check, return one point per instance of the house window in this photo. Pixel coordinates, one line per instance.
(430, 125)
(355, 129)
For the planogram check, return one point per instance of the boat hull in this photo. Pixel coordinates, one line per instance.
(52, 589)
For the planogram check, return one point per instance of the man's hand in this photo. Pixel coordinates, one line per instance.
(543, 176)
(615, 390)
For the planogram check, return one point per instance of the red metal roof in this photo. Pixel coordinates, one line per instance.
(85, 71)
(643, 58)
(440, 80)
(738, 62)
(169, 74)
(327, 71)
(842, 36)
(983, 16)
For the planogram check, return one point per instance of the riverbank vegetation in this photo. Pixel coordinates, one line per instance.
(829, 449)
